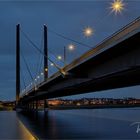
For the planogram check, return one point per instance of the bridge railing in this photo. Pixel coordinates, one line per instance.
(129, 28)
(106, 43)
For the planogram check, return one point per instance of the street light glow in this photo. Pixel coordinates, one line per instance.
(46, 69)
(71, 47)
(36, 88)
(88, 31)
(59, 57)
(117, 6)
(52, 64)
(63, 72)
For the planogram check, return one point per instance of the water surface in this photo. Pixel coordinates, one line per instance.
(84, 123)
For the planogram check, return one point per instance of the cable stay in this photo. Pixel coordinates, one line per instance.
(24, 84)
(34, 45)
(39, 63)
(28, 69)
(23, 79)
(67, 38)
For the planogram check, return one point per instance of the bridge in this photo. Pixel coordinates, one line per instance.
(113, 63)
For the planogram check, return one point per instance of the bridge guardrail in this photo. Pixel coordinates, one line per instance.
(107, 41)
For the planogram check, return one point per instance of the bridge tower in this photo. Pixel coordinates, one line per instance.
(17, 62)
(45, 58)
(45, 53)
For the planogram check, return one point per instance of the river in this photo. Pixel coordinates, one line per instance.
(102, 124)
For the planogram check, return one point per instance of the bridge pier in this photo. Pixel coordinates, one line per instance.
(33, 105)
(45, 104)
(30, 105)
(36, 105)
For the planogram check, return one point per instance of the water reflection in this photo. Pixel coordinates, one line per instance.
(12, 128)
(25, 133)
(46, 125)
(81, 124)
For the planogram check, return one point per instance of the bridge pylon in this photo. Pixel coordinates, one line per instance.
(17, 62)
(45, 53)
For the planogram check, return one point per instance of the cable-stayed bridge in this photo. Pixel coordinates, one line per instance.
(114, 63)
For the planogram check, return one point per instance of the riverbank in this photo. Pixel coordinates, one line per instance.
(91, 107)
(5, 108)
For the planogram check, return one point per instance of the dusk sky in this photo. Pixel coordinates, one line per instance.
(68, 18)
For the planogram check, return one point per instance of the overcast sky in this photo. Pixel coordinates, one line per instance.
(65, 17)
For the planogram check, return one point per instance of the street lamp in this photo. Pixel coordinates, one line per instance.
(46, 70)
(59, 57)
(52, 64)
(88, 31)
(117, 6)
(70, 47)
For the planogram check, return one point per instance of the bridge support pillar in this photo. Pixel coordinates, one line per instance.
(36, 103)
(45, 53)
(17, 63)
(28, 106)
(33, 106)
(45, 104)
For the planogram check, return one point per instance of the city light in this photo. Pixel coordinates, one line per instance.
(88, 31)
(36, 88)
(63, 72)
(46, 69)
(38, 77)
(71, 47)
(52, 64)
(35, 79)
(117, 6)
(42, 73)
(59, 57)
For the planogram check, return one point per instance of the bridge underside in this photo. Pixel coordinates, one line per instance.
(116, 67)
(124, 78)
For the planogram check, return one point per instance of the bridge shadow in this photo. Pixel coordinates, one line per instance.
(38, 123)
(50, 125)
(77, 124)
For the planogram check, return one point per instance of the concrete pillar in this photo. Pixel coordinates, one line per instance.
(36, 105)
(45, 104)
(33, 104)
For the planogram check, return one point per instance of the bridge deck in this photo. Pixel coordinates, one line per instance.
(109, 42)
(123, 34)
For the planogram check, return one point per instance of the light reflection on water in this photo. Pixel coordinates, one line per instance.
(70, 124)
(12, 128)
(25, 133)
(83, 124)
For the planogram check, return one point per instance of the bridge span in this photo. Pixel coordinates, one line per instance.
(114, 63)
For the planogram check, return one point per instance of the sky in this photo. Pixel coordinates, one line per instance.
(68, 18)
